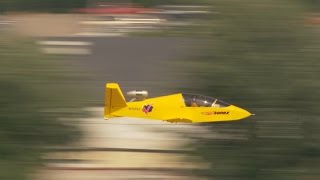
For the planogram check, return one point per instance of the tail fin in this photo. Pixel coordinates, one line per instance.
(114, 99)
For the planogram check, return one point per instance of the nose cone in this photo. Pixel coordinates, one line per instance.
(240, 113)
(244, 113)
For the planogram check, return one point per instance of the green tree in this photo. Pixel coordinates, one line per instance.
(36, 92)
(263, 57)
(41, 5)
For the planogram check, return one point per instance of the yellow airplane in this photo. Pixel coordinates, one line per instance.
(190, 108)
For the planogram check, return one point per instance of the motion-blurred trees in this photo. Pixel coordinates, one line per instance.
(261, 55)
(36, 93)
(41, 5)
(65, 6)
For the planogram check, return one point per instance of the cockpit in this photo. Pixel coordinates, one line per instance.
(194, 100)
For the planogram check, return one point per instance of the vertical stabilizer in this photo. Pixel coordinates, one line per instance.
(114, 99)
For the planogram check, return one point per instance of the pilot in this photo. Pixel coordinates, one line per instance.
(194, 103)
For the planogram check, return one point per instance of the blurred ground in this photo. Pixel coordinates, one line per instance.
(134, 62)
(124, 148)
(258, 55)
(93, 25)
(45, 24)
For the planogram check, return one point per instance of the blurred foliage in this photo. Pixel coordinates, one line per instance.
(65, 6)
(263, 57)
(149, 3)
(41, 5)
(314, 5)
(36, 93)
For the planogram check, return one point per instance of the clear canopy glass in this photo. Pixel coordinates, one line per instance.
(195, 100)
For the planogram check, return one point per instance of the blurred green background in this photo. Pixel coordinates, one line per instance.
(36, 92)
(263, 56)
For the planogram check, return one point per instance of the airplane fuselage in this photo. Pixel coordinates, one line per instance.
(173, 108)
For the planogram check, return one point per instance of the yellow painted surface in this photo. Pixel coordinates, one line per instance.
(169, 108)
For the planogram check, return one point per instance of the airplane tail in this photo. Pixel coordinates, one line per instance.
(114, 100)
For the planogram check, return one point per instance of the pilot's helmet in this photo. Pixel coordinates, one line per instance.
(193, 102)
